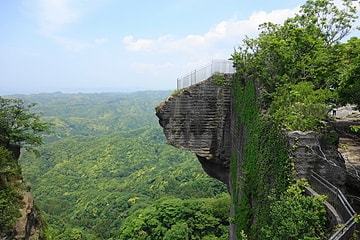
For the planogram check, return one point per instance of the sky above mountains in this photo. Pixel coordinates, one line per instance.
(116, 45)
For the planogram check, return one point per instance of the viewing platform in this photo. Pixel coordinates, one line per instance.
(203, 73)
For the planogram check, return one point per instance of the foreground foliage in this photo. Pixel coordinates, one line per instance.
(296, 216)
(300, 107)
(19, 128)
(173, 218)
(9, 197)
(349, 86)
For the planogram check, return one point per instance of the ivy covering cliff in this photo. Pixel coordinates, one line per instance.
(264, 191)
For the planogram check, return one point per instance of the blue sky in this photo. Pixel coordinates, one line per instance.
(116, 45)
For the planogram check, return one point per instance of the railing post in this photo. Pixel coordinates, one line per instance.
(194, 77)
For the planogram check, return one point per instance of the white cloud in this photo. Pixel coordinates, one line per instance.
(53, 15)
(138, 45)
(231, 31)
(172, 56)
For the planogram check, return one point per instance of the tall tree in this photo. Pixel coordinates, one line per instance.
(349, 86)
(19, 127)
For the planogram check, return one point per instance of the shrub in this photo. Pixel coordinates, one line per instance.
(296, 216)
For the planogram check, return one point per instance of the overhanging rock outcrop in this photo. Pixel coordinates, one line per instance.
(205, 120)
(198, 120)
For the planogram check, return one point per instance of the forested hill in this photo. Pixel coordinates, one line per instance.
(97, 113)
(107, 173)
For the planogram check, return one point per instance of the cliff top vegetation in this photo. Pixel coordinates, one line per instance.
(303, 66)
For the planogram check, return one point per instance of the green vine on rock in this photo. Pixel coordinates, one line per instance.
(266, 169)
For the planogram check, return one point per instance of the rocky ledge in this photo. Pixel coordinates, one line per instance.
(198, 120)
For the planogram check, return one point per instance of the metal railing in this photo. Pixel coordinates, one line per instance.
(203, 73)
(337, 199)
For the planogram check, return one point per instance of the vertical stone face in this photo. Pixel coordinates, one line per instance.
(310, 153)
(29, 225)
(198, 120)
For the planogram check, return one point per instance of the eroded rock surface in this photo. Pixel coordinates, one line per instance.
(345, 122)
(28, 224)
(198, 120)
(311, 152)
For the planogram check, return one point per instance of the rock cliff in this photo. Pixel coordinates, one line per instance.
(29, 224)
(198, 120)
(311, 151)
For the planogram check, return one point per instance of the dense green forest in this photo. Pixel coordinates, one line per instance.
(106, 164)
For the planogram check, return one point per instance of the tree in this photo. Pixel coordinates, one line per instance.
(300, 107)
(19, 127)
(349, 86)
(178, 231)
(304, 48)
(326, 20)
(174, 218)
(296, 216)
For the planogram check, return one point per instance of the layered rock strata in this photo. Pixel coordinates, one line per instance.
(198, 120)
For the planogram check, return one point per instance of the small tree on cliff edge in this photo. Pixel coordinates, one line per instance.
(19, 127)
